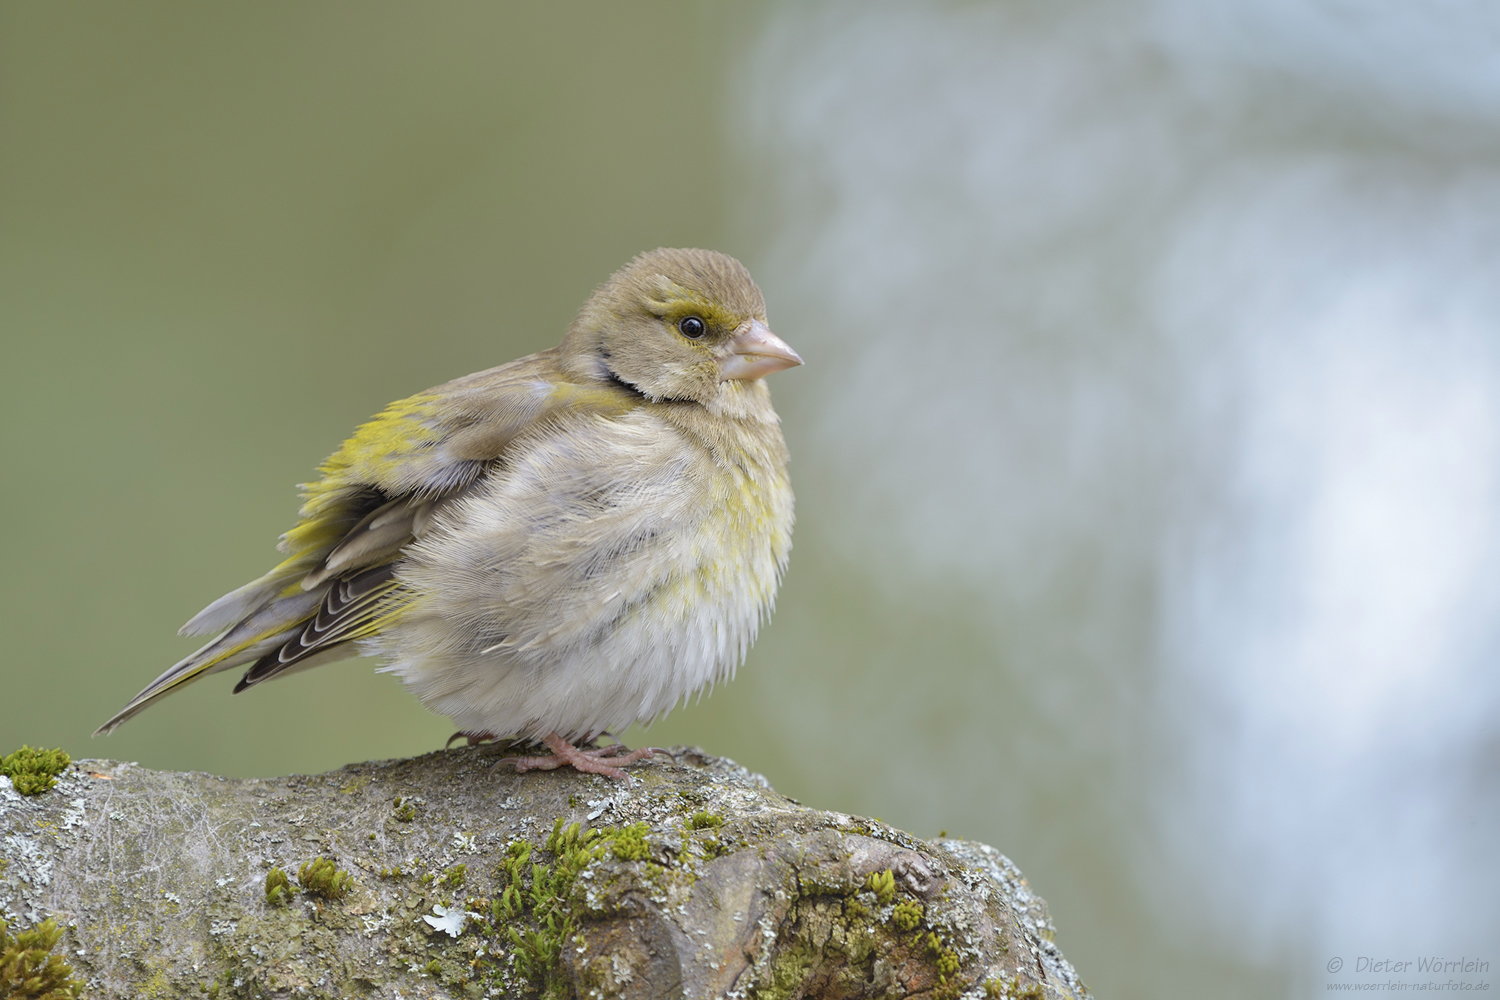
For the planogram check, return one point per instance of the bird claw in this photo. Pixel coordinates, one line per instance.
(589, 761)
(470, 738)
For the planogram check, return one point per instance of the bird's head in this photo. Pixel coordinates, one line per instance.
(677, 324)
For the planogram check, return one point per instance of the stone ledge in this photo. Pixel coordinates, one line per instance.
(472, 881)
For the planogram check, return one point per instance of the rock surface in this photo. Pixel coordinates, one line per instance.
(467, 881)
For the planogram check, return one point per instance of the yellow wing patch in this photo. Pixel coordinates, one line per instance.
(390, 451)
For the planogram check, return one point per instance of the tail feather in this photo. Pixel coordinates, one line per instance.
(309, 543)
(262, 632)
(236, 605)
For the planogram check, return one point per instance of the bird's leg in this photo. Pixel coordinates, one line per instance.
(590, 760)
(470, 738)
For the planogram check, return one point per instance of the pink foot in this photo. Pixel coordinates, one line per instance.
(590, 761)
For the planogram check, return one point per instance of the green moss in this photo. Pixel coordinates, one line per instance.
(322, 877)
(404, 810)
(434, 969)
(907, 915)
(29, 970)
(883, 885)
(278, 888)
(999, 989)
(704, 821)
(454, 877)
(706, 826)
(629, 843)
(535, 904)
(33, 771)
(790, 971)
(945, 961)
(944, 957)
(534, 911)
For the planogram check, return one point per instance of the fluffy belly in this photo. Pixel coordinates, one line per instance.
(578, 592)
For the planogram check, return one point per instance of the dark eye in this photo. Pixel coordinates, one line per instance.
(691, 327)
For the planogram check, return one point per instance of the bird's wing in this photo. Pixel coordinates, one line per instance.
(378, 492)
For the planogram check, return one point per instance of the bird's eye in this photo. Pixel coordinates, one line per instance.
(691, 327)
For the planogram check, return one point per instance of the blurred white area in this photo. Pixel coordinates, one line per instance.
(1198, 303)
(1332, 603)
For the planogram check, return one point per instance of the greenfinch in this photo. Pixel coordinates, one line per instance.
(553, 549)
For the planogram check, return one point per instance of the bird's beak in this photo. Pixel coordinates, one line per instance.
(755, 352)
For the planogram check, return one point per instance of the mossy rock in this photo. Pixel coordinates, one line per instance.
(33, 771)
(696, 880)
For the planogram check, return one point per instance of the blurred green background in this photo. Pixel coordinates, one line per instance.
(1135, 332)
(232, 234)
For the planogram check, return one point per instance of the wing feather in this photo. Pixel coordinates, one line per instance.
(382, 489)
(352, 606)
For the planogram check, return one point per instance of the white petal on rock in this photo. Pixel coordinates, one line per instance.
(449, 920)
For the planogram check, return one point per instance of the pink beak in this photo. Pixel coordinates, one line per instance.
(756, 352)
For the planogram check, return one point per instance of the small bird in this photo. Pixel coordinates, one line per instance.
(550, 550)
